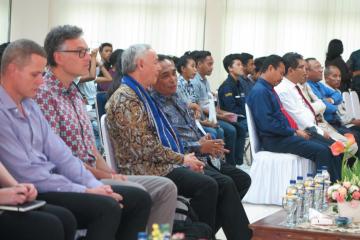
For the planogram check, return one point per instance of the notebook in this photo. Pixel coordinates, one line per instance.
(23, 207)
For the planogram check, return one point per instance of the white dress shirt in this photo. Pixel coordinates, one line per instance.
(294, 104)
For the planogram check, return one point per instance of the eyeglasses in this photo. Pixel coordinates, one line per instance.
(81, 52)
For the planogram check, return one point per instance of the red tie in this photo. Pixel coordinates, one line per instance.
(286, 114)
(306, 102)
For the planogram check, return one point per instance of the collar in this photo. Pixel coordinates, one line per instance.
(265, 83)
(6, 100)
(198, 76)
(183, 81)
(158, 97)
(52, 81)
(327, 85)
(287, 82)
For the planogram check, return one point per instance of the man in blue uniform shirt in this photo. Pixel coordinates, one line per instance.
(232, 97)
(276, 128)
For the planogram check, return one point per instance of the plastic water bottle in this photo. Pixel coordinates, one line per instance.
(308, 201)
(327, 182)
(300, 192)
(291, 189)
(142, 236)
(165, 231)
(318, 198)
(309, 181)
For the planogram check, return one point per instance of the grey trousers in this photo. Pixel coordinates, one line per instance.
(163, 193)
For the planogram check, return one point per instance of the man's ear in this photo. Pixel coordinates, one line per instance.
(58, 57)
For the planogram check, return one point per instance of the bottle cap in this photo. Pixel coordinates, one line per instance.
(309, 175)
(299, 178)
(324, 167)
(292, 181)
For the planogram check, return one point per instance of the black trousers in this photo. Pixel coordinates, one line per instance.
(202, 190)
(48, 222)
(313, 149)
(102, 216)
(233, 184)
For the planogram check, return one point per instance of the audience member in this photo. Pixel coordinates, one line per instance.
(231, 96)
(333, 57)
(277, 129)
(247, 61)
(233, 183)
(33, 153)
(258, 64)
(354, 67)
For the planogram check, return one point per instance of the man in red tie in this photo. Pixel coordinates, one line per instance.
(298, 106)
(277, 129)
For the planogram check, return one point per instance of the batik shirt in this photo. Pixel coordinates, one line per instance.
(65, 111)
(185, 89)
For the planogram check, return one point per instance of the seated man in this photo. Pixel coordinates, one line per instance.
(33, 153)
(247, 60)
(232, 95)
(277, 129)
(233, 183)
(234, 135)
(145, 143)
(62, 106)
(332, 99)
(297, 105)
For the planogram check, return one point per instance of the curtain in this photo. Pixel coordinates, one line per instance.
(263, 27)
(171, 26)
(4, 20)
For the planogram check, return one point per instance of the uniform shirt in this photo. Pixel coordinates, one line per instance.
(231, 96)
(247, 84)
(185, 89)
(65, 111)
(33, 153)
(177, 113)
(294, 104)
(201, 90)
(323, 92)
(265, 107)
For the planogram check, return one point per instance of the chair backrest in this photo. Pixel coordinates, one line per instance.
(254, 138)
(348, 104)
(109, 151)
(355, 104)
(100, 101)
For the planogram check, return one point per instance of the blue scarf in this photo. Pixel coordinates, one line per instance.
(166, 133)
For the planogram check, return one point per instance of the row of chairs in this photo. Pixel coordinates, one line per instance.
(352, 104)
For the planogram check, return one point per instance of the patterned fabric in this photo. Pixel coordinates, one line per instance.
(201, 89)
(65, 111)
(185, 89)
(176, 111)
(137, 147)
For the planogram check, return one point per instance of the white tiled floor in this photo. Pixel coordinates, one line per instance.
(254, 213)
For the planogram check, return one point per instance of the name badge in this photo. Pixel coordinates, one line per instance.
(237, 96)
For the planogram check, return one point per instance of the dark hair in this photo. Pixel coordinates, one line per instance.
(258, 63)
(19, 52)
(335, 49)
(327, 70)
(183, 61)
(115, 60)
(310, 59)
(291, 60)
(245, 57)
(163, 57)
(200, 56)
(228, 61)
(56, 38)
(106, 44)
(2, 49)
(273, 60)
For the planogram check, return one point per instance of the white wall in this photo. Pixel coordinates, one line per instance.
(29, 19)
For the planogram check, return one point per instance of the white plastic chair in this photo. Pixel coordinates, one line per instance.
(355, 104)
(109, 151)
(271, 172)
(348, 104)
